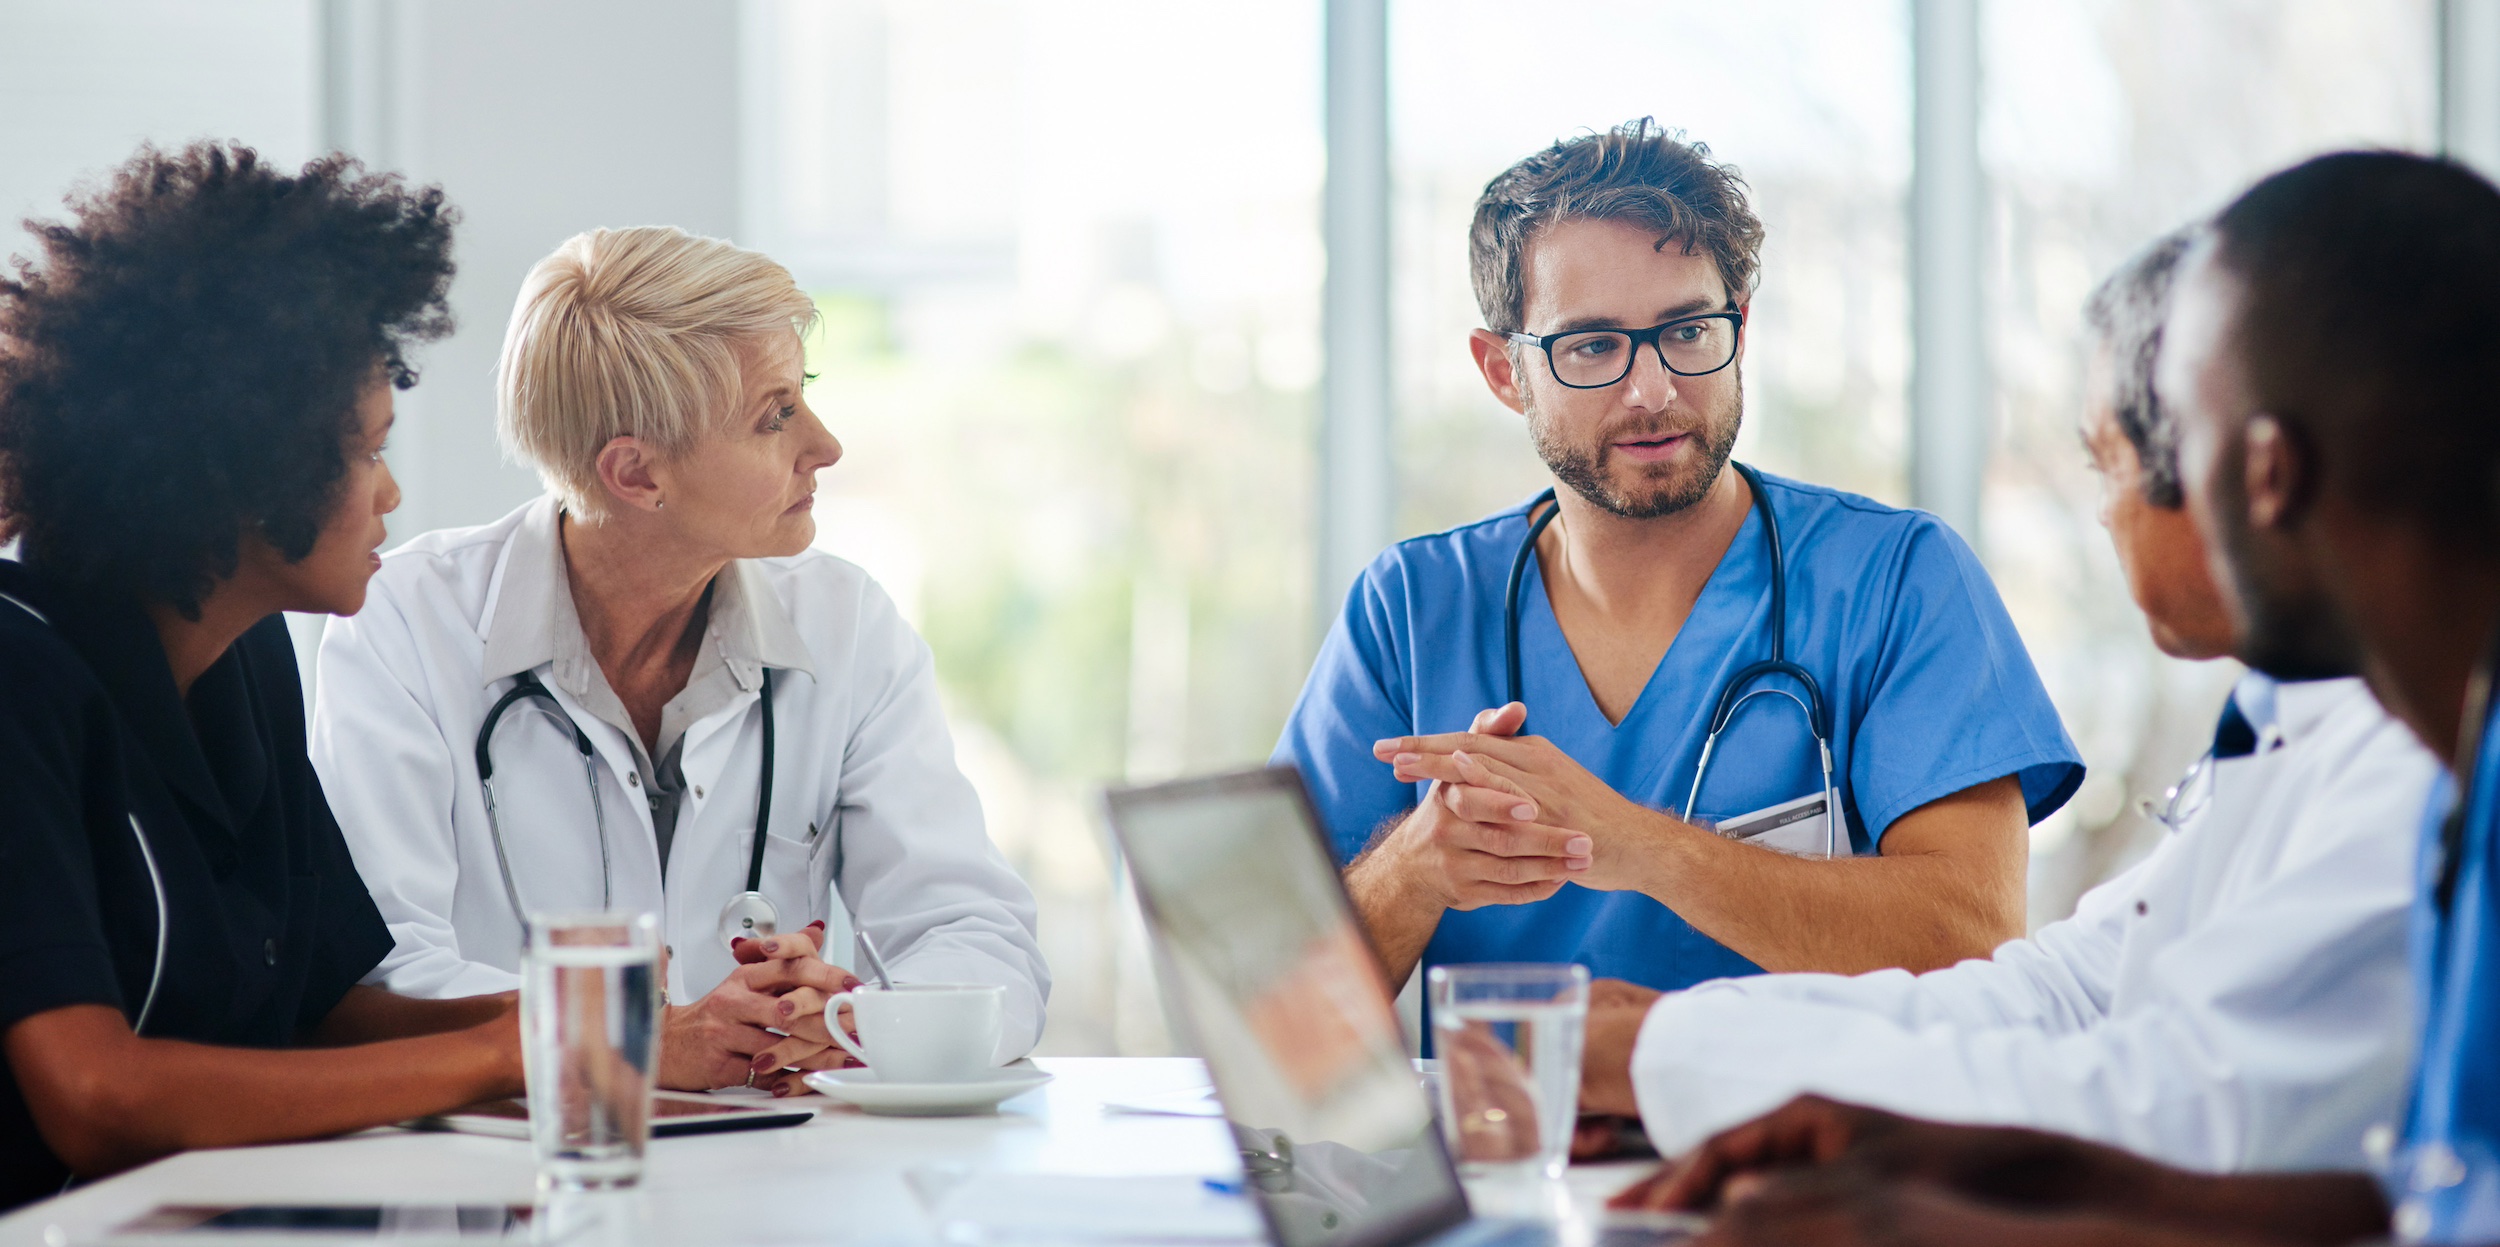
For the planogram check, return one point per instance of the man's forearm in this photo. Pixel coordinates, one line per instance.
(2154, 1203)
(2306, 1208)
(2039, 1170)
(2099, 1230)
(1396, 913)
(1850, 916)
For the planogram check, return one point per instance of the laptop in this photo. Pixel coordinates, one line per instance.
(1261, 957)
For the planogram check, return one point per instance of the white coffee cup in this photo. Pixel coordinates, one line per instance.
(924, 1032)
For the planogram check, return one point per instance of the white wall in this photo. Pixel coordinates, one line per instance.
(540, 120)
(83, 82)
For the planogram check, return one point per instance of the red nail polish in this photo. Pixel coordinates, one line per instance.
(763, 1061)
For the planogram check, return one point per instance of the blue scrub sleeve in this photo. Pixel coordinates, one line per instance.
(1356, 694)
(2456, 963)
(1953, 700)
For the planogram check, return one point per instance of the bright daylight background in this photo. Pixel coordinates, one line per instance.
(1069, 255)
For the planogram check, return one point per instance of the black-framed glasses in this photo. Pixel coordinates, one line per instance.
(1592, 359)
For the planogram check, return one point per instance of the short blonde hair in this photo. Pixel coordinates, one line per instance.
(632, 332)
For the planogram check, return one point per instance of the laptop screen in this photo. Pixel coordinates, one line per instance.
(1260, 954)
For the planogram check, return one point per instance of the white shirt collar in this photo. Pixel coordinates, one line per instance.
(534, 622)
(2289, 709)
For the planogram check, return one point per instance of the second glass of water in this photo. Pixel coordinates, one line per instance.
(1509, 1041)
(590, 1004)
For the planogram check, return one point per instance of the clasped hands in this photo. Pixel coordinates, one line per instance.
(1510, 818)
(765, 1025)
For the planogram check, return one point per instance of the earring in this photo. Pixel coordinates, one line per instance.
(658, 505)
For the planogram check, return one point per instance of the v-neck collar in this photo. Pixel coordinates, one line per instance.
(1544, 647)
(127, 657)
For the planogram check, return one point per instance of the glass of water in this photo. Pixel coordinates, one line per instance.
(590, 1005)
(1509, 1041)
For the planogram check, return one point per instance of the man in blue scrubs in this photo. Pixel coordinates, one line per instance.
(2332, 356)
(1615, 271)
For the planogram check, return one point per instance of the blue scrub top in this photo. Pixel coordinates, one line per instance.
(2456, 1088)
(1931, 692)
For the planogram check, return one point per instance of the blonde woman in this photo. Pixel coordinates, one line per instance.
(645, 691)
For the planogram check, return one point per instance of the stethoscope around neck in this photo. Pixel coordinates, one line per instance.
(1741, 687)
(749, 914)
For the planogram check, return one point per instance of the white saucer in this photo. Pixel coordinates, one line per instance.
(863, 1088)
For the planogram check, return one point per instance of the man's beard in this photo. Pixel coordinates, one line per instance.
(1583, 467)
(2286, 633)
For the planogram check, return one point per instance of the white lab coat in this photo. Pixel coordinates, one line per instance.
(871, 821)
(2239, 1000)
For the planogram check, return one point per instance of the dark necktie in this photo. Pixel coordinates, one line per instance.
(2234, 735)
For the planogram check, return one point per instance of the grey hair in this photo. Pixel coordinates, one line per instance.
(2126, 312)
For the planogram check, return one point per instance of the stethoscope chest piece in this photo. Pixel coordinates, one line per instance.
(748, 916)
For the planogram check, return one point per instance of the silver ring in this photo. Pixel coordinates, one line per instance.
(750, 1077)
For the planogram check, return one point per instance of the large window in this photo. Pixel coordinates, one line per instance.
(1809, 98)
(2105, 123)
(1069, 258)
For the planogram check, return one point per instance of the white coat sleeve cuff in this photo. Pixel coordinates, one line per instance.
(440, 976)
(1710, 1059)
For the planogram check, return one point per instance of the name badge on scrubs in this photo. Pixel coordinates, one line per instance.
(1799, 828)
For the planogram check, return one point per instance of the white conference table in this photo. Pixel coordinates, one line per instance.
(838, 1179)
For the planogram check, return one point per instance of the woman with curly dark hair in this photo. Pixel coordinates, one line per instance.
(196, 373)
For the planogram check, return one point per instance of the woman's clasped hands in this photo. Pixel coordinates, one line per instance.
(765, 1025)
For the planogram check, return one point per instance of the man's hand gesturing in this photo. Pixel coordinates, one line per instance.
(1494, 777)
(1448, 855)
